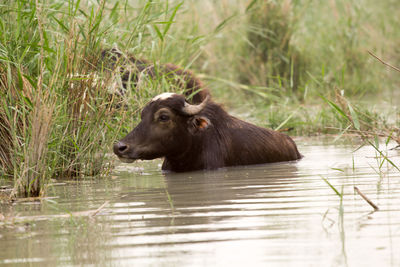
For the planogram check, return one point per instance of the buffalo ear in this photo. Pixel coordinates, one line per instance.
(198, 123)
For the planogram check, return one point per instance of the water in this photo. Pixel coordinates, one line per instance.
(268, 215)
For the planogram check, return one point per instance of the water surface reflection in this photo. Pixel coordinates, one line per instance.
(272, 214)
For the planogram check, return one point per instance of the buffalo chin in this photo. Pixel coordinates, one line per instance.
(126, 160)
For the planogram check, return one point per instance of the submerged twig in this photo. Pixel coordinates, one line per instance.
(396, 147)
(366, 198)
(23, 219)
(383, 62)
(99, 209)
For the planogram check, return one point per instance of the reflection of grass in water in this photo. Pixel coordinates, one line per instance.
(340, 218)
(171, 205)
(170, 201)
(341, 227)
(381, 156)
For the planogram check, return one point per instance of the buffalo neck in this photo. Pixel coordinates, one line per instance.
(188, 160)
(207, 149)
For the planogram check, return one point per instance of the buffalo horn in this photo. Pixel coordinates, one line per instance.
(189, 109)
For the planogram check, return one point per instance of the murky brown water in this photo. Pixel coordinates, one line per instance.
(271, 215)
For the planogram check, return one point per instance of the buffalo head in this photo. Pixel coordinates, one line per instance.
(168, 124)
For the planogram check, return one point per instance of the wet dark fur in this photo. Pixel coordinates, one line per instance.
(131, 67)
(227, 141)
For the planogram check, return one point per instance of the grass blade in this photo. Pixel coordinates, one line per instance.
(335, 107)
(385, 157)
(354, 117)
(286, 120)
(333, 188)
(171, 19)
(159, 34)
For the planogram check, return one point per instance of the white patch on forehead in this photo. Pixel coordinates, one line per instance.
(163, 96)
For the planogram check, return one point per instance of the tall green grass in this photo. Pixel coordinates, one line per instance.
(284, 55)
(58, 118)
(310, 47)
(59, 113)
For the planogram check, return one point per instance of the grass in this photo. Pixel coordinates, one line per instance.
(302, 66)
(54, 113)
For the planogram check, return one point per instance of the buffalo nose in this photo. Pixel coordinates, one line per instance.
(120, 148)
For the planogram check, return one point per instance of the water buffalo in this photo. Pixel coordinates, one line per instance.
(200, 136)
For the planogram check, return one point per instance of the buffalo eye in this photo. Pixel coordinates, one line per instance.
(163, 118)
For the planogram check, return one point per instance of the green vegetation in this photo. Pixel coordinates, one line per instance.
(302, 66)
